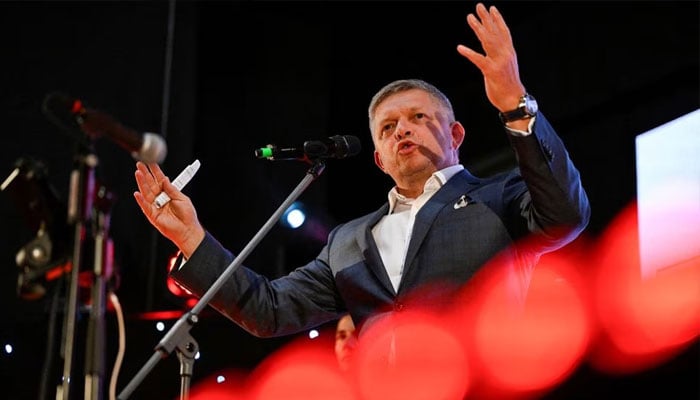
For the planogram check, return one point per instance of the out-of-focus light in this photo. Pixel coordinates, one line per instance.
(8, 348)
(160, 327)
(313, 334)
(294, 217)
(174, 287)
(535, 344)
(225, 384)
(196, 356)
(287, 373)
(410, 356)
(644, 320)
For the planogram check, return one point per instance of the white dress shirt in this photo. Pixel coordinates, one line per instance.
(393, 232)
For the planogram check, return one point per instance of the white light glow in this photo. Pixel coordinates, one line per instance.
(295, 218)
(668, 193)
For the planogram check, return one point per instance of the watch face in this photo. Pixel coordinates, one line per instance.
(527, 108)
(530, 105)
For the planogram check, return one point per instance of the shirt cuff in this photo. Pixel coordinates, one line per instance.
(517, 132)
(180, 261)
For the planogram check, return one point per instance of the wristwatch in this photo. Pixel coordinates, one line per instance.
(527, 108)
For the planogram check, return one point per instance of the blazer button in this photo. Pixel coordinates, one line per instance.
(398, 306)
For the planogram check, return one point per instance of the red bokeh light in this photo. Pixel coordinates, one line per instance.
(531, 345)
(174, 287)
(302, 370)
(410, 355)
(644, 320)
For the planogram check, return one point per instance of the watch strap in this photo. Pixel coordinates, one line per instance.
(519, 113)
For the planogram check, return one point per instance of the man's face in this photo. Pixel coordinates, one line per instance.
(345, 342)
(414, 137)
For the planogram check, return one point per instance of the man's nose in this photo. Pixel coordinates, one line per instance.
(402, 130)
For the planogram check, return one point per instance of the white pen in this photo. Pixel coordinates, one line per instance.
(179, 183)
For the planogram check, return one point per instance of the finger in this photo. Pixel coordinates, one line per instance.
(143, 204)
(476, 26)
(500, 26)
(471, 55)
(147, 207)
(141, 166)
(171, 190)
(146, 183)
(485, 17)
(157, 173)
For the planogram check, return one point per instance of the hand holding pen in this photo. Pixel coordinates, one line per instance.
(178, 221)
(179, 182)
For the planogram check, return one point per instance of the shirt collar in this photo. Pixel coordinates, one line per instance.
(435, 182)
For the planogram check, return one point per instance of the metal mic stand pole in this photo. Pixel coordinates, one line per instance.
(102, 269)
(178, 336)
(82, 185)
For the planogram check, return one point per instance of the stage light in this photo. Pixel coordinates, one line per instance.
(313, 334)
(160, 327)
(8, 348)
(294, 216)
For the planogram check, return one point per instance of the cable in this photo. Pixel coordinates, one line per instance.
(167, 73)
(122, 346)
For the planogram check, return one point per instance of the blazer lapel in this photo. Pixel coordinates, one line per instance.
(369, 248)
(458, 185)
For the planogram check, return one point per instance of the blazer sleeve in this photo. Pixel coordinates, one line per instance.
(555, 204)
(265, 308)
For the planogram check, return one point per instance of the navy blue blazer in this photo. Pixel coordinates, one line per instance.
(465, 224)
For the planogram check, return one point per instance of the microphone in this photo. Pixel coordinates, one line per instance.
(70, 113)
(338, 146)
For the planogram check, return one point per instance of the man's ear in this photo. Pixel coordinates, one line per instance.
(458, 133)
(378, 160)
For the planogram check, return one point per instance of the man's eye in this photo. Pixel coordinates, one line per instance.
(419, 115)
(387, 129)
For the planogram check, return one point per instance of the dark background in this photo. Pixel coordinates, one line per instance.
(220, 78)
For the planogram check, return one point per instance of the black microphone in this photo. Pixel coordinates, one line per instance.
(338, 146)
(70, 113)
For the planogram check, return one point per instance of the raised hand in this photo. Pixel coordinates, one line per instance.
(499, 63)
(177, 220)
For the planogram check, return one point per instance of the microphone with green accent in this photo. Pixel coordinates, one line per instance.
(338, 146)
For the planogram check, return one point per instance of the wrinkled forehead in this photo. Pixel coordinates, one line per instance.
(404, 101)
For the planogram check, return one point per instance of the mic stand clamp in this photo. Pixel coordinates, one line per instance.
(178, 336)
(187, 349)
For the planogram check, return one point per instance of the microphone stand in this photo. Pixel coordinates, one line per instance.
(82, 186)
(102, 270)
(178, 337)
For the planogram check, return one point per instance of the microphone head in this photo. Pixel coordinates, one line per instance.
(153, 150)
(334, 147)
(346, 145)
(338, 146)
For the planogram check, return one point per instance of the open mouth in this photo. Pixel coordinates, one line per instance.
(406, 147)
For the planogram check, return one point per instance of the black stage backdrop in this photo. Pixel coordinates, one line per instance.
(220, 78)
